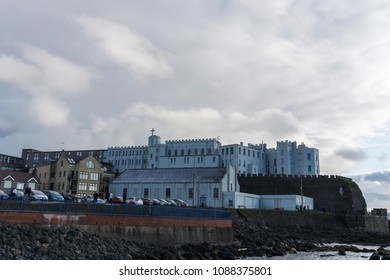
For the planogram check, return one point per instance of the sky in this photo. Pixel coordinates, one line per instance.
(97, 74)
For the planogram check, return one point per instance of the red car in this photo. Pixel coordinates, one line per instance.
(117, 199)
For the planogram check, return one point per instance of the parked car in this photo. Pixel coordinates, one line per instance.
(147, 201)
(37, 195)
(164, 202)
(19, 195)
(180, 202)
(71, 197)
(134, 200)
(117, 200)
(3, 195)
(89, 198)
(53, 195)
(156, 202)
(172, 202)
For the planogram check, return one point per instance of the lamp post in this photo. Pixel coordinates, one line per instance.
(301, 193)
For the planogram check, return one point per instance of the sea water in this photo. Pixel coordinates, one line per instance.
(326, 255)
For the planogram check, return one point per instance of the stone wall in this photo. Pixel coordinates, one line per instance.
(338, 194)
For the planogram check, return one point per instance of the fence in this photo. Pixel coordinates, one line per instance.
(111, 209)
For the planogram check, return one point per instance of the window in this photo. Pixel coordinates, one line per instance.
(216, 193)
(83, 175)
(93, 187)
(168, 192)
(191, 193)
(231, 150)
(308, 156)
(94, 176)
(82, 186)
(309, 168)
(90, 164)
(146, 192)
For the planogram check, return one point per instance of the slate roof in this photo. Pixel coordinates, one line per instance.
(20, 177)
(171, 175)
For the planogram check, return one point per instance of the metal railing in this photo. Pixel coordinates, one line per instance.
(110, 209)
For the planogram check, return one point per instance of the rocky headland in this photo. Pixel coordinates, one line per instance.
(256, 234)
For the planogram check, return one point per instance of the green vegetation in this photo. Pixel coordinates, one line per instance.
(350, 183)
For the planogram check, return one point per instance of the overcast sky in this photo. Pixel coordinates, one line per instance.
(96, 74)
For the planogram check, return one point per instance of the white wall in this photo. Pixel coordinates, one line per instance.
(286, 202)
(241, 200)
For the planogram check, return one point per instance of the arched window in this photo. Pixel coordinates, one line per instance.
(182, 152)
(90, 164)
(189, 152)
(209, 151)
(176, 153)
(169, 153)
(196, 152)
(202, 152)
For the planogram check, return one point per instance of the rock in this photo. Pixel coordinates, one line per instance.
(293, 251)
(342, 253)
(375, 256)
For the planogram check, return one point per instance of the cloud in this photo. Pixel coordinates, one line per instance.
(376, 188)
(48, 79)
(353, 154)
(49, 111)
(58, 75)
(40, 72)
(127, 48)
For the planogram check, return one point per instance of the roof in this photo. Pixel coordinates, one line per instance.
(171, 175)
(21, 177)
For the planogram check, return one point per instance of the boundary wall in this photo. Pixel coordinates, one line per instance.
(169, 231)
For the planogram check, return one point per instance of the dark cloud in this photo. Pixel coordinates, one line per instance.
(353, 154)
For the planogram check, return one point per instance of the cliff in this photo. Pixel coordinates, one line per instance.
(338, 194)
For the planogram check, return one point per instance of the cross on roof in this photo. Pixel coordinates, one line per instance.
(152, 130)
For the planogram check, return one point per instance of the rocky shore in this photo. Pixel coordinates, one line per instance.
(251, 239)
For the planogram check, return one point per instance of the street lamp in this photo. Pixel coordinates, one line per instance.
(301, 193)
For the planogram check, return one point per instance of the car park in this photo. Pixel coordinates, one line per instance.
(53, 195)
(37, 195)
(3, 195)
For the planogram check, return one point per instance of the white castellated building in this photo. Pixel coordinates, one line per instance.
(286, 158)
